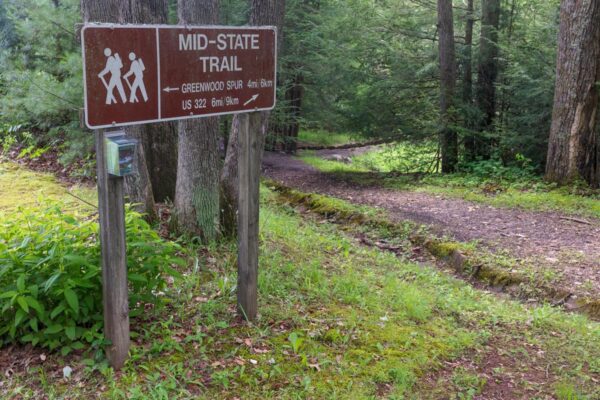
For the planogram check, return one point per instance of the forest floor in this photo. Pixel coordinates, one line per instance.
(548, 246)
(338, 320)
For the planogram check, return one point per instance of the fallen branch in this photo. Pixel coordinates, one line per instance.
(82, 200)
(579, 221)
(349, 145)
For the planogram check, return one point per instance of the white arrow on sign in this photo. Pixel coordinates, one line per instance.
(251, 99)
(171, 89)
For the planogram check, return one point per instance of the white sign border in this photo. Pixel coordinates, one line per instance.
(92, 25)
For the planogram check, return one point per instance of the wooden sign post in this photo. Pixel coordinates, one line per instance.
(248, 215)
(111, 209)
(140, 74)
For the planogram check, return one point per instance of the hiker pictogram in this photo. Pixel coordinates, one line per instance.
(113, 66)
(137, 70)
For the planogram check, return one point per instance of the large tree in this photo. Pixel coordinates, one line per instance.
(137, 186)
(262, 12)
(157, 158)
(448, 136)
(573, 150)
(197, 191)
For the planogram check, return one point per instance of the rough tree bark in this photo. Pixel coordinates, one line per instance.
(574, 146)
(262, 12)
(487, 73)
(467, 87)
(101, 11)
(157, 160)
(448, 136)
(291, 128)
(197, 190)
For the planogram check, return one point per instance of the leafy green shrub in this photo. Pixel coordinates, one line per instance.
(520, 169)
(493, 176)
(11, 135)
(51, 279)
(400, 157)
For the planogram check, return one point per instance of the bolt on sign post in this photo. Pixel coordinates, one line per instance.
(140, 74)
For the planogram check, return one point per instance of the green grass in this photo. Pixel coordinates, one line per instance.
(337, 320)
(324, 138)
(331, 166)
(553, 200)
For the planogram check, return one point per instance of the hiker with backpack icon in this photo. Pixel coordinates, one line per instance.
(136, 69)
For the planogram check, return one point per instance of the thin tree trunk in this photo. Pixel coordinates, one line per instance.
(573, 147)
(487, 73)
(467, 92)
(197, 189)
(448, 136)
(262, 12)
(293, 126)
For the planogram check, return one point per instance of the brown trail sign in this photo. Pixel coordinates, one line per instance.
(140, 74)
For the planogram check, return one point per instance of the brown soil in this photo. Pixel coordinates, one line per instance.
(505, 368)
(561, 245)
(49, 162)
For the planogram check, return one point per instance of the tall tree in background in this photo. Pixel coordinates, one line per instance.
(573, 150)
(448, 135)
(487, 73)
(301, 20)
(262, 12)
(467, 82)
(197, 190)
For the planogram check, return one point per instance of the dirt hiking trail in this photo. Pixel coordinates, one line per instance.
(545, 241)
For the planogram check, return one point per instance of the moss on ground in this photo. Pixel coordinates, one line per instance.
(463, 257)
(20, 187)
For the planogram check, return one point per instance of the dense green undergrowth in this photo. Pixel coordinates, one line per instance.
(488, 182)
(51, 281)
(337, 320)
(50, 277)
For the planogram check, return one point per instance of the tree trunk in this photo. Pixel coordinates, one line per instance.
(158, 141)
(487, 72)
(286, 126)
(295, 95)
(448, 136)
(262, 12)
(101, 11)
(137, 186)
(197, 189)
(467, 92)
(573, 147)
